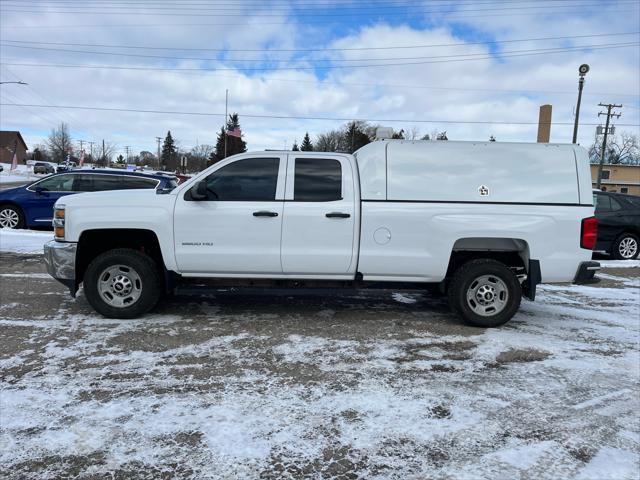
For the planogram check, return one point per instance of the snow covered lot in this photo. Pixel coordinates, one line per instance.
(281, 384)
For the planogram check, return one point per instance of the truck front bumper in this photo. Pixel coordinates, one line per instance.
(586, 273)
(60, 258)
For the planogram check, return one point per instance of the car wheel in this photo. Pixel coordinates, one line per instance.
(122, 283)
(11, 217)
(626, 247)
(485, 293)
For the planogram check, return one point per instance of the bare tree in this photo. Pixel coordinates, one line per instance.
(412, 133)
(624, 149)
(105, 153)
(202, 151)
(328, 142)
(59, 143)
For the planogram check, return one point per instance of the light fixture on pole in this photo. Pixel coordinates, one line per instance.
(18, 83)
(584, 68)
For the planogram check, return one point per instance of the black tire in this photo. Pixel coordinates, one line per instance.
(148, 282)
(623, 247)
(14, 212)
(462, 282)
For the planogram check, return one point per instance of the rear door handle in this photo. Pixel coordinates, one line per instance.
(337, 215)
(265, 213)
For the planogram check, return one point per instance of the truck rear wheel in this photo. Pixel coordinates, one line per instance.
(122, 283)
(485, 293)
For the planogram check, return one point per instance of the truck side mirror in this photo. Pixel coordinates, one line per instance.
(199, 192)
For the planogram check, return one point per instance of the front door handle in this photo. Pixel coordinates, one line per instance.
(265, 213)
(337, 215)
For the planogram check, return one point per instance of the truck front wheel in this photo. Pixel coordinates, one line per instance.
(122, 283)
(485, 293)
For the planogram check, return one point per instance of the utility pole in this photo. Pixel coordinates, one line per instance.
(609, 114)
(584, 68)
(226, 115)
(103, 155)
(158, 139)
(91, 150)
(126, 149)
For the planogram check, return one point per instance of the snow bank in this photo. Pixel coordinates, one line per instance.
(23, 241)
(23, 173)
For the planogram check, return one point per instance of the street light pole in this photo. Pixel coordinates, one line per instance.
(584, 68)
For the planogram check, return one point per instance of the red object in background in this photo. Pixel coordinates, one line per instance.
(182, 178)
(589, 233)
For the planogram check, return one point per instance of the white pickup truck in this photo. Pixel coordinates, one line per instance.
(484, 222)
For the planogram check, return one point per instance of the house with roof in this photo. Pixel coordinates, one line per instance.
(11, 141)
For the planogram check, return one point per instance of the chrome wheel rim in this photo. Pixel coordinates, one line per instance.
(119, 286)
(628, 247)
(9, 218)
(487, 295)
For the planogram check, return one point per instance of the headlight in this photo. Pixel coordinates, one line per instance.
(58, 222)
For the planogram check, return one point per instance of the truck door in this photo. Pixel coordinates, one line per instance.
(237, 229)
(318, 230)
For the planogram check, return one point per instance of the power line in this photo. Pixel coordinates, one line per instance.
(371, 8)
(449, 15)
(440, 59)
(292, 117)
(289, 50)
(334, 61)
(394, 12)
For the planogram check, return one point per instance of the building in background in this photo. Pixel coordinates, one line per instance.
(10, 140)
(619, 178)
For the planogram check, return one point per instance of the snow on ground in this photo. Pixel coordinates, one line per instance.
(23, 241)
(620, 263)
(288, 385)
(22, 174)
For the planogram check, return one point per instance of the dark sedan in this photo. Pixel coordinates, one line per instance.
(618, 224)
(31, 205)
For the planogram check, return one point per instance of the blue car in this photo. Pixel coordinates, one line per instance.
(31, 205)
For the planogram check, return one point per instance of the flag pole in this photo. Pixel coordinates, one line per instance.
(226, 114)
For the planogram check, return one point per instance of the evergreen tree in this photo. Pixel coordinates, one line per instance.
(355, 136)
(306, 145)
(398, 135)
(295, 147)
(168, 156)
(234, 144)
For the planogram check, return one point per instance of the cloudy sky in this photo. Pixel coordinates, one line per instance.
(472, 68)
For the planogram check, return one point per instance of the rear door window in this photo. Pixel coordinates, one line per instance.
(317, 180)
(603, 203)
(106, 182)
(130, 182)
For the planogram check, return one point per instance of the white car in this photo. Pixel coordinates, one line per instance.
(485, 221)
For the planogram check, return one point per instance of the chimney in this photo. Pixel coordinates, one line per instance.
(544, 124)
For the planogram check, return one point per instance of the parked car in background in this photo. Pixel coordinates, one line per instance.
(66, 166)
(32, 205)
(1, 168)
(43, 167)
(618, 224)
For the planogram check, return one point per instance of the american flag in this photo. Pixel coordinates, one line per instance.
(14, 160)
(235, 132)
